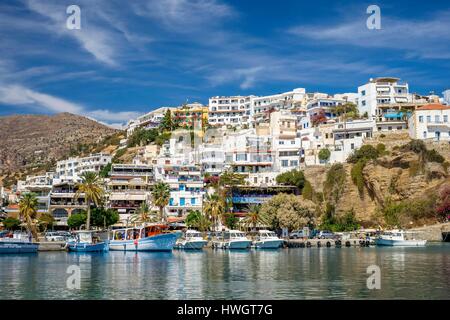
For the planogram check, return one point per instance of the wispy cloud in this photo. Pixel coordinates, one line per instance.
(428, 38)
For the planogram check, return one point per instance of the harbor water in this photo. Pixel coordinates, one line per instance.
(301, 273)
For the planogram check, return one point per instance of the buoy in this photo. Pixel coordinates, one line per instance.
(328, 244)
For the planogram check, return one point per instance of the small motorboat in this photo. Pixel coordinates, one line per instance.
(232, 239)
(192, 240)
(267, 240)
(87, 241)
(398, 238)
(17, 243)
(153, 237)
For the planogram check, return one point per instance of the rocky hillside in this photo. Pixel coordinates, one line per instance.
(395, 178)
(33, 143)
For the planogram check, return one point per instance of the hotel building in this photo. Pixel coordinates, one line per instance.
(430, 122)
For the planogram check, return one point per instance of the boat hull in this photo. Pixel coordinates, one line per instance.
(268, 244)
(233, 245)
(400, 243)
(87, 247)
(192, 245)
(18, 247)
(160, 242)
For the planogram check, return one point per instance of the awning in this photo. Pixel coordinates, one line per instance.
(122, 196)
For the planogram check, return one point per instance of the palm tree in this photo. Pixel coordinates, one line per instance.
(214, 208)
(28, 211)
(254, 217)
(93, 192)
(160, 197)
(143, 214)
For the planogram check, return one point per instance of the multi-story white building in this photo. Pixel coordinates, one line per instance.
(278, 101)
(149, 120)
(430, 122)
(71, 169)
(41, 186)
(231, 110)
(326, 105)
(128, 187)
(446, 95)
(381, 91)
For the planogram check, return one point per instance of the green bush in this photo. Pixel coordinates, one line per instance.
(307, 191)
(357, 175)
(366, 152)
(292, 178)
(76, 220)
(11, 223)
(334, 183)
(434, 156)
(324, 154)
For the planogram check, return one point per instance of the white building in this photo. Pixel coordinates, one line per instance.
(326, 105)
(71, 169)
(231, 110)
(149, 120)
(430, 122)
(128, 187)
(446, 95)
(381, 91)
(275, 102)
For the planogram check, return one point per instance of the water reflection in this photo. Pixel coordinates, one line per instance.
(220, 274)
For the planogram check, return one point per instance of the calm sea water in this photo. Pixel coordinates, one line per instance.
(301, 273)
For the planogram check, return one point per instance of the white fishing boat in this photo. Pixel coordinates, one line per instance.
(267, 240)
(87, 241)
(192, 239)
(232, 239)
(398, 238)
(154, 237)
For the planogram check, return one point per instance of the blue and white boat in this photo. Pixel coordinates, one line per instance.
(267, 240)
(192, 240)
(232, 239)
(14, 245)
(398, 238)
(153, 237)
(87, 241)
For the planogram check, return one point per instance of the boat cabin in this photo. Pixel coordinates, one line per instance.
(138, 232)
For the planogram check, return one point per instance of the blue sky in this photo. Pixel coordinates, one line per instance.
(133, 56)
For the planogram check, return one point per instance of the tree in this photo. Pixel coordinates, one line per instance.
(334, 183)
(324, 155)
(167, 123)
(231, 179)
(308, 192)
(105, 171)
(366, 152)
(294, 178)
(143, 215)
(103, 218)
(254, 217)
(28, 211)
(318, 118)
(230, 220)
(214, 208)
(288, 211)
(197, 220)
(75, 221)
(347, 110)
(11, 223)
(92, 190)
(161, 197)
(46, 221)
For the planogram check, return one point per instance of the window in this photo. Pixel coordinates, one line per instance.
(437, 119)
(284, 163)
(363, 102)
(280, 142)
(363, 93)
(445, 118)
(182, 201)
(293, 142)
(294, 163)
(352, 146)
(424, 134)
(428, 118)
(420, 118)
(193, 201)
(255, 180)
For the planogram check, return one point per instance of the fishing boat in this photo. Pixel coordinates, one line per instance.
(398, 238)
(231, 239)
(17, 243)
(267, 240)
(154, 237)
(87, 241)
(192, 240)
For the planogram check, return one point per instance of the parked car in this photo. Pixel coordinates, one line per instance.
(54, 236)
(296, 234)
(325, 234)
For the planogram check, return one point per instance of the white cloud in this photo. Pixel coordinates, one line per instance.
(20, 95)
(428, 38)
